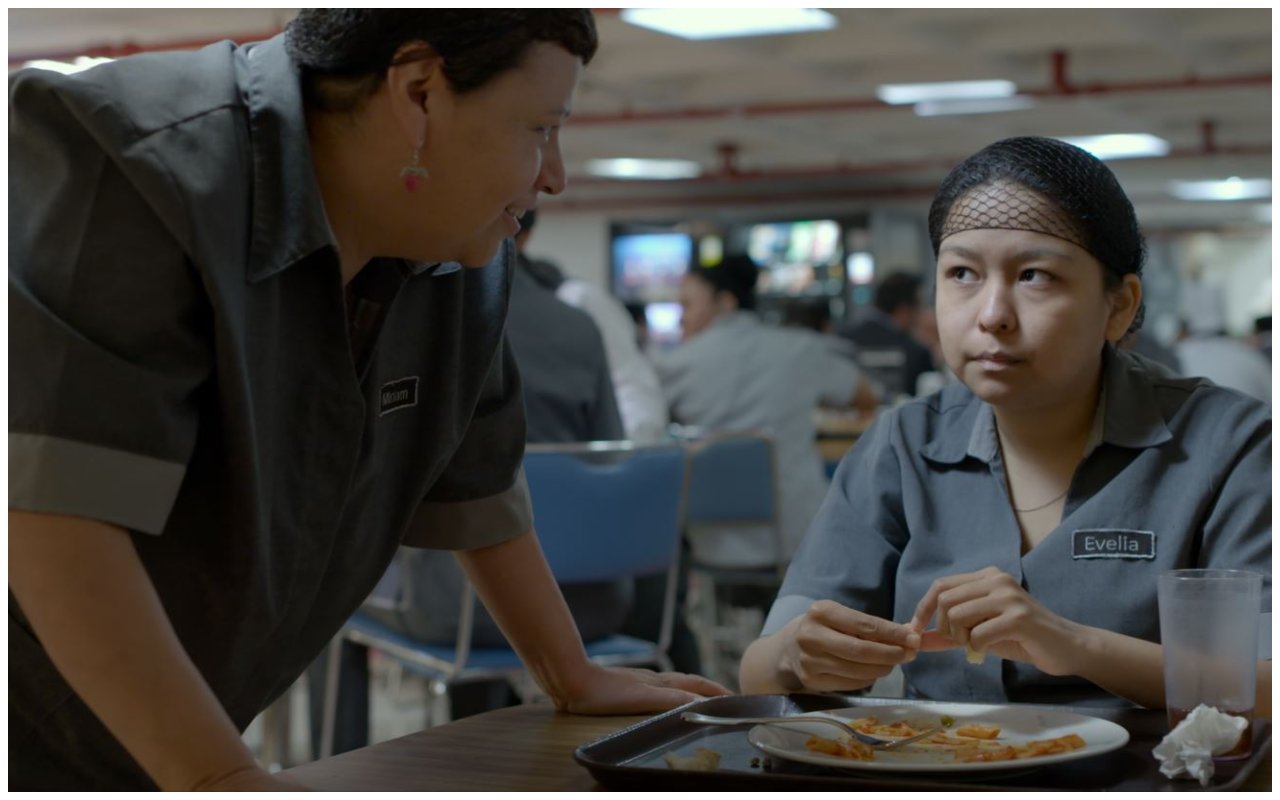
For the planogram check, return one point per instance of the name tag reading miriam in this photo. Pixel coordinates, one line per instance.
(398, 394)
(1113, 543)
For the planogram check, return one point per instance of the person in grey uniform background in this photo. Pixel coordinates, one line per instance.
(884, 335)
(247, 364)
(1026, 512)
(734, 372)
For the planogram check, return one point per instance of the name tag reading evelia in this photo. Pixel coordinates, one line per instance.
(1113, 543)
(398, 394)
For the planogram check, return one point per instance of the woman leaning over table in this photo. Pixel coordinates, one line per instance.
(1029, 509)
(247, 366)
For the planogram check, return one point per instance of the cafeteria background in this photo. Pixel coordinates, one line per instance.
(816, 152)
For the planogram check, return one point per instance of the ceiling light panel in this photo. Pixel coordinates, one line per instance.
(723, 23)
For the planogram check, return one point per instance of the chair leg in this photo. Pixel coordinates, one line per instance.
(438, 706)
(329, 720)
(713, 659)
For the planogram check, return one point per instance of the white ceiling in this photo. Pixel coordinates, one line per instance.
(800, 113)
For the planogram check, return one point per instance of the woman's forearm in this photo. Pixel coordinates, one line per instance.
(516, 585)
(1134, 669)
(761, 670)
(1123, 665)
(88, 598)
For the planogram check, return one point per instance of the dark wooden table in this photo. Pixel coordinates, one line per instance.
(527, 748)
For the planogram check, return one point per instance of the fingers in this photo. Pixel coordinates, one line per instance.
(929, 603)
(643, 699)
(945, 593)
(692, 683)
(933, 642)
(864, 627)
(835, 648)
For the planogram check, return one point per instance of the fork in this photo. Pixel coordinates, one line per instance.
(871, 741)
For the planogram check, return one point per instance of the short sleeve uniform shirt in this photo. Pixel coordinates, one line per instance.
(741, 374)
(181, 366)
(1178, 475)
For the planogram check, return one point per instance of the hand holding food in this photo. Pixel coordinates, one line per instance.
(832, 648)
(988, 611)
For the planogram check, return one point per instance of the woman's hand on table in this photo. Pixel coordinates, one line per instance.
(250, 779)
(621, 690)
(833, 648)
(989, 611)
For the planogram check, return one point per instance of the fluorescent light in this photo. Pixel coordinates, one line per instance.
(663, 169)
(939, 108)
(898, 94)
(67, 67)
(719, 23)
(1121, 145)
(1229, 189)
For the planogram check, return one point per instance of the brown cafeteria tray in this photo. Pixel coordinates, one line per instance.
(632, 758)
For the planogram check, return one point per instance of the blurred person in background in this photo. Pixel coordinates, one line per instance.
(639, 397)
(257, 297)
(733, 372)
(815, 315)
(972, 521)
(1205, 350)
(884, 334)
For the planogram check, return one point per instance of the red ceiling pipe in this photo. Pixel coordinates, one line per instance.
(878, 168)
(1208, 136)
(1058, 60)
(770, 198)
(1061, 86)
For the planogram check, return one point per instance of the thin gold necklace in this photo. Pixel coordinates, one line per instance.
(1044, 505)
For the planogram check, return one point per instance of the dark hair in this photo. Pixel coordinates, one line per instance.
(736, 274)
(899, 289)
(814, 314)
(343, 53)
(1081, 188)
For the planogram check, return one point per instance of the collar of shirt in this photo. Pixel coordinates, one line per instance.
(1128, 415)
(289, 221)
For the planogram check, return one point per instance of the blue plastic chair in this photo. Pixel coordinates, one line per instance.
(603, 511)
(732, 483)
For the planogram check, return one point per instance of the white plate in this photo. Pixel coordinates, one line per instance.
(1017, 724)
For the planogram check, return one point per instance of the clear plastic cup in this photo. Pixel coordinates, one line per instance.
(1209, 629)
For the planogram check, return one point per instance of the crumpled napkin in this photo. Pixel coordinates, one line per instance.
(1190, 747)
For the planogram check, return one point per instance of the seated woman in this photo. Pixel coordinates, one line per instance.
(1030, 508)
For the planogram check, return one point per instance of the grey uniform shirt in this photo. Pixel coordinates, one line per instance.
(1178, 476)
(180, 366)
(742, 374)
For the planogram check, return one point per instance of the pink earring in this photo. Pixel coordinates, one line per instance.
(414, 172)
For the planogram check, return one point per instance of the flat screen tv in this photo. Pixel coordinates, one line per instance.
(647, 267)
(797, 258)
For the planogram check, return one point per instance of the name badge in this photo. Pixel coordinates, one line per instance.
(1113, 543)
(398, 394)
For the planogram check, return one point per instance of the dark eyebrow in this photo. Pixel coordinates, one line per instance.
(963, 252)
(1021, 256)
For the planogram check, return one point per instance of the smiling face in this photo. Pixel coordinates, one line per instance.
(1023, 316)
(490, 152)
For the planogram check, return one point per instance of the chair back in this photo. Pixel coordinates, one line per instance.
(732, 480)
(607, 511)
